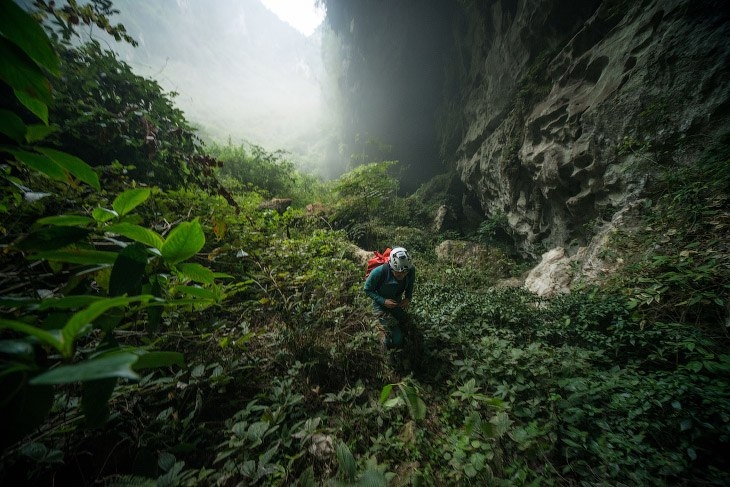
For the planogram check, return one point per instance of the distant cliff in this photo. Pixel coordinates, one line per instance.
(554, 113)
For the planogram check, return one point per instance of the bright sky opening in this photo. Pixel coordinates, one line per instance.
(303, 15)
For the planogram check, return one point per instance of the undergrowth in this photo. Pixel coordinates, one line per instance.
(286, 383)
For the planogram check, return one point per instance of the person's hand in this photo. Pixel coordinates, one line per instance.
(405, 303)
(391, 303)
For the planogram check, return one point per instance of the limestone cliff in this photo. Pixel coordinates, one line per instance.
(562, 113)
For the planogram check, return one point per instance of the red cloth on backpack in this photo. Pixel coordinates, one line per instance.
(378, 259)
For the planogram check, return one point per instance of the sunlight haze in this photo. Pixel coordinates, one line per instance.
(244, 70)
(303, 15)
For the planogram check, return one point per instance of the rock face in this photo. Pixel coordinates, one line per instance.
(460, 252)
(565, 119)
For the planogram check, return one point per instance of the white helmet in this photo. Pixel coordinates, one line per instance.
(400, 260)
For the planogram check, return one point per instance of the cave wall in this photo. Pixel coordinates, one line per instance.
(388, 65)
(557, 115)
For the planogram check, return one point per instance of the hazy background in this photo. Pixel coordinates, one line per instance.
(267, 72)
(240, 71)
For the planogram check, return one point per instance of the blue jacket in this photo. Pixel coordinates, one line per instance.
(381, 284)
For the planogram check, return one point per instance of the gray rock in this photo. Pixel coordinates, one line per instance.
(552, 275)
(460, 251)
(573, 141)
(278, 204)
(445, 219)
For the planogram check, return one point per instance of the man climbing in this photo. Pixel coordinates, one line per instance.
(390, 286)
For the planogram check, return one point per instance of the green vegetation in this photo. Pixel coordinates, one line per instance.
(270, 174)
(676, 264)
(367, 198)
(183, 336)
(110, 114)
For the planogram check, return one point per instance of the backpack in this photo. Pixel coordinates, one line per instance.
(377, 260)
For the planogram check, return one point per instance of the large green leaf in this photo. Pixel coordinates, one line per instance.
(416, 406)
(23, 30)
(196, 272)
(137, 233)
(372, 478)
(113, 365)
(501, 423)
(81, 320)
(183, 242)
(74, 165)
(12, 126)
(41, 164)
(37, 107)
(66, 220)
(77, 256)
(103, 215)
(385, 393)
(128, 271)
(223, 275)
(22, 74)
(38, 131)
(346, 461)
(195, 291)
(154, 312)
(153, 360)
(129, 200)
(51, 238)
(42, 335)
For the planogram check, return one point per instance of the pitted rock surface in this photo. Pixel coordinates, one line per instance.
(573, 141)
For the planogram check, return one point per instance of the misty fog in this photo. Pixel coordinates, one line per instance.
(241, 73)
(349, 93)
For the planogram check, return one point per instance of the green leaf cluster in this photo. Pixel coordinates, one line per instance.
(268, 172)
(29, 62)
(147, 272)
(681, 276)
(576, 382)
(106, 267)
(367, 197)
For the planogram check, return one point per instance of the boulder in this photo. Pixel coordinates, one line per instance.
(552, 275)
(315, 209)
(357, 255)
(278, 204)
(559, 270)
(445, 219)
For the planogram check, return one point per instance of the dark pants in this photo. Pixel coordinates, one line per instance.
(393, 321)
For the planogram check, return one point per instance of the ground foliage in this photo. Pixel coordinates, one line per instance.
(167, 337)
(249, 167)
